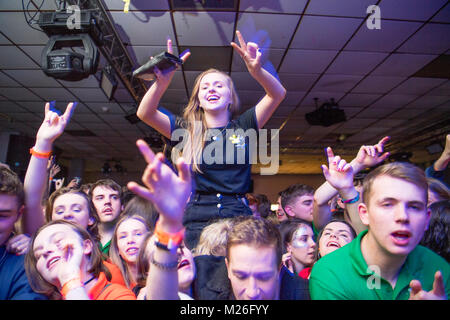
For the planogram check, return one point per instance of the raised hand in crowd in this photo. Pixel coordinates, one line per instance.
(367, 156)
(169, 193)
(437, 293)
(35, 182)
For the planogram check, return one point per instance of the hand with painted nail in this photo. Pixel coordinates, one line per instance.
(437, 293)
(339, 173)
(168, 191)
(249, 52)
(369, 156)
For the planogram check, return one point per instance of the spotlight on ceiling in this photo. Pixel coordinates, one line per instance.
(71, 53)
(326, 115)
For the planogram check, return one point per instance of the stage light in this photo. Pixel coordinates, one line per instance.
(108, 82)
(61, 60)
(328, 114)
(71, 53)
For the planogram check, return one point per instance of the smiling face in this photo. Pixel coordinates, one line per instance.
(334, 236)
(214, 92)
(72, 207)
(130, 235)
(281, 215)
(50, 246)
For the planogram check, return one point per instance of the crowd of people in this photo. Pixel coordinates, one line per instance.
(373, 230)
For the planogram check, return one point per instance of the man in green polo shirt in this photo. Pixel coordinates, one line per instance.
(385, 261)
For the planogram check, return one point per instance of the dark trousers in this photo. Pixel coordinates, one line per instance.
(203, 209)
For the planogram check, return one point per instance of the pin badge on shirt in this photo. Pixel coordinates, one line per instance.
(238, 141)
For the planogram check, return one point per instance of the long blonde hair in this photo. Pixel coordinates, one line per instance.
(193, 115)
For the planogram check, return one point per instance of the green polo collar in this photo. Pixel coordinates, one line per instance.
(409, 270)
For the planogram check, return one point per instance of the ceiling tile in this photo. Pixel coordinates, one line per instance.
(244, 81)
(3, 40)
(428, 101)
(399, 64)
(25, 117)
(386, 39)
(218, 25)
(336, 83)
(102, 107)
(410, 9)
(203, 58)
(89, 95)
(6, 81)
(297, 82)
(377, 84)
(58, 94)
(280, 6)
(292, 97)
(9, 106)
(417, 86)
(443, 90)
(355, 63)
(358, 99)
(432, 39)
(348, 8)
(394, 101)
(324, 33)
(144, 28)
(20, 61)
(250, 97)
(14, 26)
(267, 30)
(374, 113)
(33, 78)
(306, 61)
(407, 113)
(19, 93)
(443, 15)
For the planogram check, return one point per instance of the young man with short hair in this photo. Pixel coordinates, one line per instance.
(106, 196)
(14, 283)
(297, 201)
(254, 266)
(385, 261)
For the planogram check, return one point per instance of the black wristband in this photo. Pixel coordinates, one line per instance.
(162, 246)
(164, 266)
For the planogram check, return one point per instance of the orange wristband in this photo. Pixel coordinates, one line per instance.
(171, 240)
(70, 285)
(40, 154)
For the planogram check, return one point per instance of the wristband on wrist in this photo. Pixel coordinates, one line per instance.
(40, 155)
(353, 200)
(168, 241)
(164, 266)
(70, 285)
